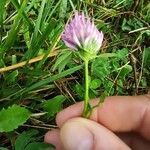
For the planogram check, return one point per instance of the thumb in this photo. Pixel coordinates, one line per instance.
(84, 134)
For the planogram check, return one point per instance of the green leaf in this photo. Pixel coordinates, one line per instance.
(146, 55)
(125, 26)
(79, 89)
(39, 146)
(131, 24)
(52, 106)
(94, 84)
(24, 139)
(125, 71)
(62, 60)
(13, 117)
(100, 68)
(122, 53)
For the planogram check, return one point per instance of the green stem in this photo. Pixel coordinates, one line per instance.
(86, 98)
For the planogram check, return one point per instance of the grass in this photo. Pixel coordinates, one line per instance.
(39, 74)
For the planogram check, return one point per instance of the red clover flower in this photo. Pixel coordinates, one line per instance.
(81, 34)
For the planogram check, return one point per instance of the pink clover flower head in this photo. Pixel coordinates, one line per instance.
(82, 34)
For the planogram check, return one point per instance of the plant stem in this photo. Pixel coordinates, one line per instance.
(86, 98)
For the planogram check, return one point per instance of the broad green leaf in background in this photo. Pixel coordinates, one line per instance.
(39, 146)
(26, 141)
(13, 117)
(25, 138)
(52, 106)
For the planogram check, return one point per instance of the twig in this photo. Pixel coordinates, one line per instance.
(133, 63)
(39, 127)
(68, 92)
(38, 114)
(140, 29)
(141, 72)
(21, 64)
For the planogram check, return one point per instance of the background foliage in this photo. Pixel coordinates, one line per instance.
(39, 76)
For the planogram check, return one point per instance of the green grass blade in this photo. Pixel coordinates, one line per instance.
(53, 11)
(45, 25)
(30, 5)
(38, 22)
(55, 40)
(72, 5)
(47, 12)
(14, 30)
(36, 35)
(2, 10)
(40, 84)
(63, 9)
(53, 78)
(17, 6)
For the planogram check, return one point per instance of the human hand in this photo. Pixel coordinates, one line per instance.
(121, 123)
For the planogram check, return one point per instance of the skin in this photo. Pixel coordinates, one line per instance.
(120, 123)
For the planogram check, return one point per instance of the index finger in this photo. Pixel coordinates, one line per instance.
(118, 113)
